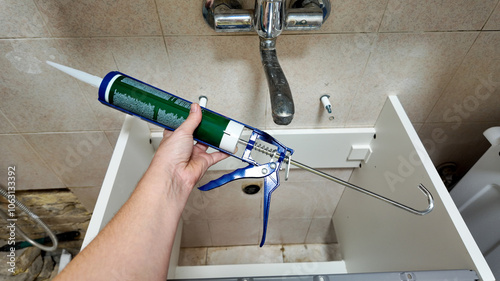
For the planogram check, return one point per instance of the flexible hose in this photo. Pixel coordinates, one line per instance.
(21, 206)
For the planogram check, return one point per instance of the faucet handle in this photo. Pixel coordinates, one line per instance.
(324, 5)
(227, 16)
(307, 14)
(269, 18)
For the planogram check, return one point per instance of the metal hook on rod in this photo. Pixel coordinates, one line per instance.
(430, 198)
(288, 161)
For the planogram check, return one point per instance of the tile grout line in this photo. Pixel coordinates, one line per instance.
(164, 37)
(206, 256)
(88, 102)
(241, 35)
(489, 16)
(45, 23)
(425, 121)
(361, 76)
(16, 131)
(383, 16)
(43, 161)
(22, 135)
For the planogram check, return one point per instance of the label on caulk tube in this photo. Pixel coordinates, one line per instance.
(161, 107)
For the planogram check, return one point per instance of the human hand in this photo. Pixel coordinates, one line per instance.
(178, 160)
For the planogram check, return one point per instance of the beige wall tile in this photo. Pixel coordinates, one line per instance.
(315, 65)
(146, 59)
(229, 202)
(100, 56)
(185, 17)
(195, 207)
(431, 15)
(102, 18)
(36, 97)
(112, 137)
(463, 145)
(415, 67)
(327, 196)
(231, 232)
(287, 231)
(196, 234)
(31, 171)
(244, 255)
(294, 200)
(182, 17)
(5, 125)
(417, 126)
(87, 196)
(321, 231)
(96, 57)
(472, 94)
(79, 159)
(354, 16)
(226, 69)
(306, 195)
(24, 19)
(494, 20)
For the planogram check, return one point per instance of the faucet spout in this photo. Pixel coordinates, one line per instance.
(269, 18)
(279, 90)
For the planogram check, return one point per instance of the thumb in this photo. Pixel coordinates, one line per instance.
(193, 120)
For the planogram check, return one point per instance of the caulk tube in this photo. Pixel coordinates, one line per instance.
(135, 97)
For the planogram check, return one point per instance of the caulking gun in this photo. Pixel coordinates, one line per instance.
(129, 95)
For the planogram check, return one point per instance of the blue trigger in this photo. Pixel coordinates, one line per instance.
(269, 171)
(271, 181)
(250, 171)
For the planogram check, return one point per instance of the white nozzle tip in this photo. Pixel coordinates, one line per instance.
(78, 74)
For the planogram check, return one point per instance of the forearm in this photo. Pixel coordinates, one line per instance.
(140, 236)
(136, 244)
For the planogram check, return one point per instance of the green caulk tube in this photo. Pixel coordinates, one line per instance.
(135, 97)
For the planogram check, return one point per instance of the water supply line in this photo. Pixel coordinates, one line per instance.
(23, 207)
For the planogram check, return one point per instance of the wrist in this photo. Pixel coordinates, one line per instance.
(163, 187)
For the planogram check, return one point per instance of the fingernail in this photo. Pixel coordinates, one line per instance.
(194, 108)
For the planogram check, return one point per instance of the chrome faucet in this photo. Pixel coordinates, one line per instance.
(269, 18)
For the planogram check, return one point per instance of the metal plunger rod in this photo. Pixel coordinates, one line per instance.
(422, 188)
(430, 199)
